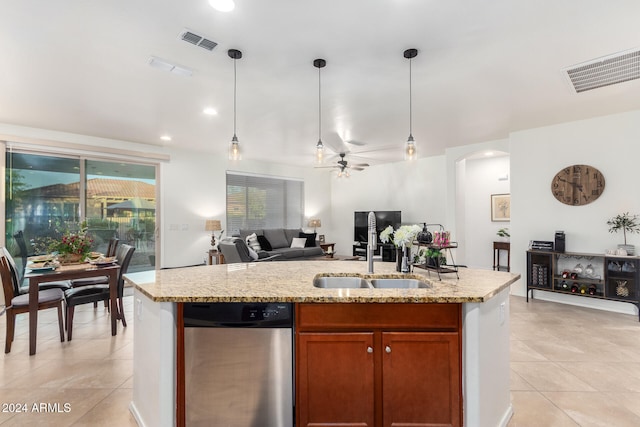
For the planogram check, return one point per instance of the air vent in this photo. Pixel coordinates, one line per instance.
(164, 65)
(608, 70)
(198, 40)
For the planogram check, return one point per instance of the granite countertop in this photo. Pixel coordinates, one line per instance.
(292, 281)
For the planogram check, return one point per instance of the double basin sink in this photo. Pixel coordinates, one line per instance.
(355, 282)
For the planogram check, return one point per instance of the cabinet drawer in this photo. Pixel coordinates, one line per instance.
(439, 317)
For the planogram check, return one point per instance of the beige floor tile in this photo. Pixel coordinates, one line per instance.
(532, 409)
(631, 401)
(594, 409)
(522, 352)
(518, 383)
(607, 376)
(111, 411)
(548, 376)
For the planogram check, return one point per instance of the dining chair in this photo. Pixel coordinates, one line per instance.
(62, 284)
(99, 292)
(18, 304)
(111, 249)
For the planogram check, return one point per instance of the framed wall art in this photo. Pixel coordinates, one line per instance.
(500, 207)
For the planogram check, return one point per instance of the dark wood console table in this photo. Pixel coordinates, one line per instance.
(497, 247)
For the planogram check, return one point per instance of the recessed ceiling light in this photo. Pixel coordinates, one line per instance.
(210, 111)
(222, 5)
(489, 153)
(165, 138)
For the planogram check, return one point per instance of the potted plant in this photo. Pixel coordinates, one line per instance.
(503, 233)
(628, 224)
(435, 258)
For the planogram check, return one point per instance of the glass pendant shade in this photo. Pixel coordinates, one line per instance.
(410, 151)
(234, 149)
(319, 152)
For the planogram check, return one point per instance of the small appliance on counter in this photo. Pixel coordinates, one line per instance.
(560, 241)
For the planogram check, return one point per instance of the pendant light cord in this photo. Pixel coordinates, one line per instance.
(235, 79)
(410, 101)
(319, 107)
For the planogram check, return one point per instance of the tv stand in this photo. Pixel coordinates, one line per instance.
(386, 250)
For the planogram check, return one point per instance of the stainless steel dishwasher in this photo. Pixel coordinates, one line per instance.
(238, 364)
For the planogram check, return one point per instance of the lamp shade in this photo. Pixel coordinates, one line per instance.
(212, 225)
(314, 222)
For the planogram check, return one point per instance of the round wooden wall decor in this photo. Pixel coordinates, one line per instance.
(577, 185)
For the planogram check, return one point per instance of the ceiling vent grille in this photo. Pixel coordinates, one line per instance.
(198, 40)
(608, 70)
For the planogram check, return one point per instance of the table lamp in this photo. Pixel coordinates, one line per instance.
(315, 223)
(213, 225)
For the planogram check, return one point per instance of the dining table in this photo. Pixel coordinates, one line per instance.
(70, 272)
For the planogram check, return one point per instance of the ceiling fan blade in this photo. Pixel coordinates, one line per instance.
(355, 168)
(326, 167)
(381, 148)
(358, 143)
(360, 164)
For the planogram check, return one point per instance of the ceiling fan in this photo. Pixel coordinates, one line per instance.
(343, 166)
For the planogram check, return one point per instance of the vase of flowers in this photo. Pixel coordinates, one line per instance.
(73, 247)
(402, 238)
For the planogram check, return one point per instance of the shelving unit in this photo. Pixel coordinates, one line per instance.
(585, 275)
(440, 269)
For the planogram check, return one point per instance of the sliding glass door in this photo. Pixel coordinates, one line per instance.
(48, 195)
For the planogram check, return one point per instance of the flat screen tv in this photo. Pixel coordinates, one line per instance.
(383, 220)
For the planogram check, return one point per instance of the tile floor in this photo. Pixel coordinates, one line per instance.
(570, 366)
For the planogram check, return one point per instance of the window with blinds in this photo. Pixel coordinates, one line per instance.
(258, 202)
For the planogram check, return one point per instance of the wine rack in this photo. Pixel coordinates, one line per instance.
(584, 275)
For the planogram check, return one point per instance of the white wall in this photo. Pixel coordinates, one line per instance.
(610, 144)
(418, 189)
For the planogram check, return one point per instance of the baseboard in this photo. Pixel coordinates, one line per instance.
(506, 417)
(136, 414)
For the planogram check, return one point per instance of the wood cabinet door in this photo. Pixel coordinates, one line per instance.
(335, 377)
(421, 384)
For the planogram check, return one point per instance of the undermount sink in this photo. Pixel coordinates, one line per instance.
(398, 283)
(340, 282)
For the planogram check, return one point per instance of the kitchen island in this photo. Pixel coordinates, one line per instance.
(481, 295)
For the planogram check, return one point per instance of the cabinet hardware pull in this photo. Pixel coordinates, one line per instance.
(369, 349)
(387, 349)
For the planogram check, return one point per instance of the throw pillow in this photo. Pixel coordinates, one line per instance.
(311, 239)
(298, 242)
(252, 242)
(253, 254)
(264, 243)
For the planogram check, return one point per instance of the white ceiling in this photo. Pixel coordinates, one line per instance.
(485, 68)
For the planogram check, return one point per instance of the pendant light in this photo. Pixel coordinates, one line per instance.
(410, 152)
(234, 146)
(319, 63)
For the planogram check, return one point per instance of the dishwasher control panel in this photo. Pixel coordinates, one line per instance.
(239, 315)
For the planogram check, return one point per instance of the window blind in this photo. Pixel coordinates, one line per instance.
(258, 202)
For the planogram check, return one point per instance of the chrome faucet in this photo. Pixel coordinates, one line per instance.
(405, 259)
(372, 242)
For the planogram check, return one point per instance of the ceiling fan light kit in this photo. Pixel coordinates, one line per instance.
(319, 64)
(234, 146)
(410, 151)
